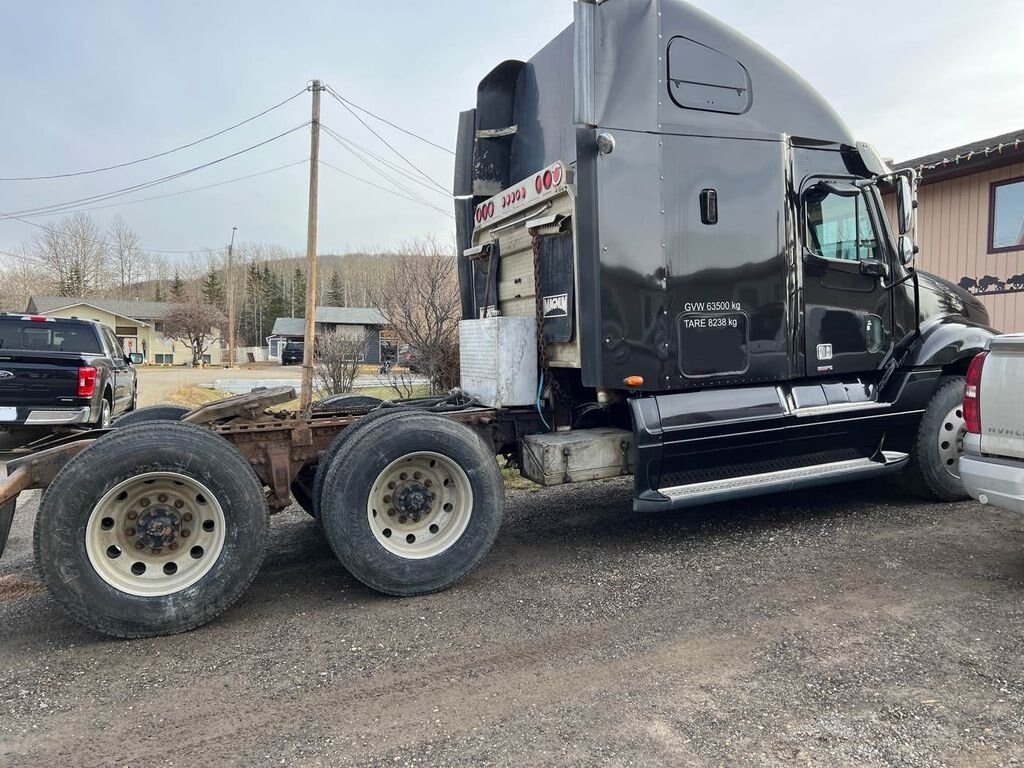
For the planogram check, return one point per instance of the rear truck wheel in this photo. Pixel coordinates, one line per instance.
(166, 412)
(152, 530)
(349, 433)
(412, 506)
(934, 468)
(105, 414)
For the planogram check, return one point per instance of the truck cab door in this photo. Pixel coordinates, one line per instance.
(847, 302)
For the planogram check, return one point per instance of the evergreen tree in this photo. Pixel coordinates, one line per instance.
(335, 291)
(178, 294)
(213, 290)
(298, 293)
(158, 295)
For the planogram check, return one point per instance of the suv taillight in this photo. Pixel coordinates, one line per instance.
(972, 394)
(86, 381)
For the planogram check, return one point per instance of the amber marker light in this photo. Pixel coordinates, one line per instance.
(633, 381)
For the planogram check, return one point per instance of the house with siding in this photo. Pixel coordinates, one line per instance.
(970, 225)
(138, 325)
(346, 320)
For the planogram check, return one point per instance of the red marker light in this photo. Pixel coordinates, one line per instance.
(547, 179)
(539, 184)
(490, 209)
(556, 174)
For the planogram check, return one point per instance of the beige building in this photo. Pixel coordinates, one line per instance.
(138, 325)
(971, 222)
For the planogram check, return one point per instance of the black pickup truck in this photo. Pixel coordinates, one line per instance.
(57, 372)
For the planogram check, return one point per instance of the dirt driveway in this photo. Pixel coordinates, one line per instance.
(849, 626)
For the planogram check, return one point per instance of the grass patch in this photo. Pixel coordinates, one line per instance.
(514, 481)
(192, 396)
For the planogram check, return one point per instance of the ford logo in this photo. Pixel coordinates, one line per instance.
(6, 375)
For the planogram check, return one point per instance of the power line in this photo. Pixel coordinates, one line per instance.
(384, 189)
(174, 194)
(388, 122)
(159, 154)
(351, 145)
(384, 141)
(376, 169)
(61, 207)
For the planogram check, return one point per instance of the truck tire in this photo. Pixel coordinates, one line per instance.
(164, 412)
(152, 530)
(933, 471)
(411, 507)
(338, 443)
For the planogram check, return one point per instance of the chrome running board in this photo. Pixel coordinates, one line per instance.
(775, 482)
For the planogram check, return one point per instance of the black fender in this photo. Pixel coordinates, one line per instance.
(950, 343)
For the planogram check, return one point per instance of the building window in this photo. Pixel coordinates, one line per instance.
(164, 359)
(1006, 216)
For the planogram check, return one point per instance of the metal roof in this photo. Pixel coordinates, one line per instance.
(296, 326)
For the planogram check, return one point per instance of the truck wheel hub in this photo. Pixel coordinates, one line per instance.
(158, 527)
(420, 505)
(155, 534)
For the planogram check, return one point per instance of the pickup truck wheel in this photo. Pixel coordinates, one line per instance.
(105, 411)
(152, 530)
(934, 471)
(152, 413)
(419, 510)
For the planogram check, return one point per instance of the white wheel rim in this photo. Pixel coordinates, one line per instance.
(951, 441)
(420, 505)
(155, 534)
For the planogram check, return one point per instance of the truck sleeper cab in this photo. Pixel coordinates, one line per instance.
(706, 251)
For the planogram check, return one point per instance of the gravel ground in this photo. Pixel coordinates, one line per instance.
(845, 626)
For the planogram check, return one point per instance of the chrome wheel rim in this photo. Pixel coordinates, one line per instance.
(105, 415)
(951, 441)
(155, 534)
(420, 505)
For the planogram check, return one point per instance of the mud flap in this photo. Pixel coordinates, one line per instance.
(6, 518)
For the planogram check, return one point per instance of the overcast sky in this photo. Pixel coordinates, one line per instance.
(94, 83)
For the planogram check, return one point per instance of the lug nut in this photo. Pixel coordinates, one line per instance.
(156, 550)
(391, 513)
(173, 546)
(178, 503)
(387, 499)
(403, 519)
(139, 545)
(144, 502)
(132, 515)
(129, 531)
(186, 533)
(187, 517)
(417, 475)
(428, 483)
(162, 498)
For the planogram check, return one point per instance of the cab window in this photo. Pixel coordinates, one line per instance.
(839, 227)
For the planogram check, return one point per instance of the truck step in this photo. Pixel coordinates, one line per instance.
(774, 482)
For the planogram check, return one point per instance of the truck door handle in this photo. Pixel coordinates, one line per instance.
(874, 268)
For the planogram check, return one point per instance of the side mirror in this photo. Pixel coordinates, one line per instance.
(136, 358)
(904, 204)
(907, 250)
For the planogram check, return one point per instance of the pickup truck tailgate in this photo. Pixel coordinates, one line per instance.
(28, 378)
(1002, 398)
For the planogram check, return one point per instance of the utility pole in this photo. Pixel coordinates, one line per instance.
(231, 300)
(306, 395)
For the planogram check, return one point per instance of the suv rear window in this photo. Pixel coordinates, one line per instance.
(48, 336)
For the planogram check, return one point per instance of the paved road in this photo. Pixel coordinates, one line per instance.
(846, 626)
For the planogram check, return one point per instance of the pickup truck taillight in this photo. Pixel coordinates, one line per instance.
(972, 394)
(86, 381)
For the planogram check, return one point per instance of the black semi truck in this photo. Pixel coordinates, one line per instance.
(675, 263)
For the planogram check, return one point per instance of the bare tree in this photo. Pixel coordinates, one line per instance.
(74, 254)
(418, 294)
(196, 325)
(21, 275)
(337, 360)
(127, 260)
